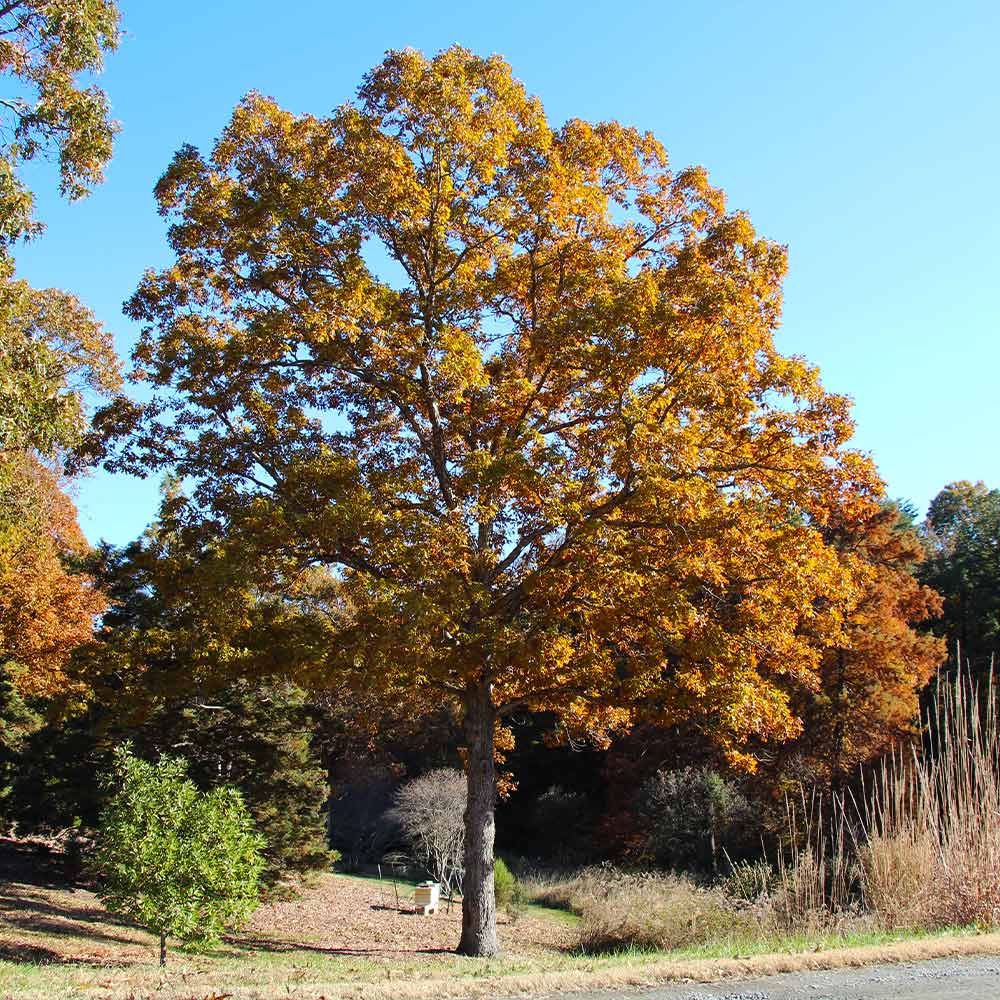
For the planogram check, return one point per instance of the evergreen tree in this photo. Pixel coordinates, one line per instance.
(17, 722)
(962, 531)
(257, 738)
(151, 669)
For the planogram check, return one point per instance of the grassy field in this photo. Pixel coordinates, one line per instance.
(345, 937)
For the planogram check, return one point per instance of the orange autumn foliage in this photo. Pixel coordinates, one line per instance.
(866, 695)
(515, 383)
(46, 609)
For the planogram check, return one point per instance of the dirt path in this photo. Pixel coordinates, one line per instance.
(939, 979)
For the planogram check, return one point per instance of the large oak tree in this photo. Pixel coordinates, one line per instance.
(516, 385)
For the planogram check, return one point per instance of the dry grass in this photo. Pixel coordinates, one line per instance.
(621, 912)
(920, 850)
(56, 943)
(658, 913)
(565, 890)
(930, 852)
(893, 869)
(344, 938)
(815, 867)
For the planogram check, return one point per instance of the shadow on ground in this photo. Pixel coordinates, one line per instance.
(285, 947)
(35, 863)
(36, 896)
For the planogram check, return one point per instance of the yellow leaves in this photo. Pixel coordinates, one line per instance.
(519, 386)
(456, 99)
(460, 367)
(52, 352)
(591, 722)
(257, 122)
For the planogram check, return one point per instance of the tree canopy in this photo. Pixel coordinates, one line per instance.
(868, 691)
(963, 536)
(515, 384)
(52, 349)
(47, 607)
(47, 50)
(52, 353)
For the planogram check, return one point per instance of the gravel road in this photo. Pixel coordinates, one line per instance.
(939, 979)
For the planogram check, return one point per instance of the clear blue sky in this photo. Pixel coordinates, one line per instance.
(866, 136)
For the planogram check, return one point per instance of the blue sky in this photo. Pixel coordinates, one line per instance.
(866, 136)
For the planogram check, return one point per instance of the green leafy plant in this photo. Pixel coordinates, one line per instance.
(508, 890)
(688, 815)
(182, 863)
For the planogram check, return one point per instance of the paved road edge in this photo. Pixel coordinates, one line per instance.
(659, 972)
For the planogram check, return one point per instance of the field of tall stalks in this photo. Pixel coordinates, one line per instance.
(929, 852)
(916, 848)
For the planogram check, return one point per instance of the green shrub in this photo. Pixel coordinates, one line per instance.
(510, 893)
(179, 862)
(505, 885)
(689, 817)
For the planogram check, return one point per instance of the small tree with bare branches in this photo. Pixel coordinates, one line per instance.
(430, 811)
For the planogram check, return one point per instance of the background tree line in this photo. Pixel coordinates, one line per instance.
(298, 755)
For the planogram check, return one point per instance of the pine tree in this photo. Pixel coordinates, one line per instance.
(257, 738)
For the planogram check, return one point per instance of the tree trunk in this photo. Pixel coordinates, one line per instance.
(163, 950)
(479, 908)
(839, 729)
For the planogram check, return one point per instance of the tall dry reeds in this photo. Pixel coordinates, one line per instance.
(918, 847)
(815, 865)
(930, 853)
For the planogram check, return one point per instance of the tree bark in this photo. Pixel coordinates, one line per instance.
(479, 909)
(163, 950)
